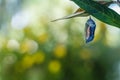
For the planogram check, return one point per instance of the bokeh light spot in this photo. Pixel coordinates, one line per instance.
(39, 57)
(29, 46)
(54, 66)
(60, 51)
(13, 44)
(43, 38)
(20, 20)
(27, 62)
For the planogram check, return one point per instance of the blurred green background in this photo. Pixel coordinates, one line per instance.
(34, 48)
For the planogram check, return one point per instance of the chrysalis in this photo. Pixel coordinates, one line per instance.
(90, 30)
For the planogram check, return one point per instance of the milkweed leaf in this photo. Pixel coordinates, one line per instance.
(82, 13)
(100, 12)
(78, 13)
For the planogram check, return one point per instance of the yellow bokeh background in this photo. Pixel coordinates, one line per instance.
(34, 48)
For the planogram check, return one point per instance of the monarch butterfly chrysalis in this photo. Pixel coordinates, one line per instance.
(89, 30)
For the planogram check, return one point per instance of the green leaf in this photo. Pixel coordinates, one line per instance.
(100, 12)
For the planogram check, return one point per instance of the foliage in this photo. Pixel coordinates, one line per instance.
(99, 11)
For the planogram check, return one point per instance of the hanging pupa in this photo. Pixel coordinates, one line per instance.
(89, 30)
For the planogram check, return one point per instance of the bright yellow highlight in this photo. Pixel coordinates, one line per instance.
(60, 51)
(85, 54)
(54, 66)
(39, 57)
(43, 38)
(27, 62)
(25, 47)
